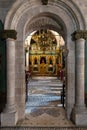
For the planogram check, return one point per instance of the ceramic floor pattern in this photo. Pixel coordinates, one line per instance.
(44, 107)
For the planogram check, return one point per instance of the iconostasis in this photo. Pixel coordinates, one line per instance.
(44, 56)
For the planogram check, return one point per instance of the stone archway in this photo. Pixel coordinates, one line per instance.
(64, 15)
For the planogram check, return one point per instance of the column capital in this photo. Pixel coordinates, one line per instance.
(8, 34)
(79, 34)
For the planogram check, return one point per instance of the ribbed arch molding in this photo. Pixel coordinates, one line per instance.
(68, 6)
(43, 23)
(73, 11)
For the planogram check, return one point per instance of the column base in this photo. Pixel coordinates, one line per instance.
(10, 108)
(9, 119)
(79, 116)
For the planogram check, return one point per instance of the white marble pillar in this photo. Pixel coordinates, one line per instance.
(9, 116)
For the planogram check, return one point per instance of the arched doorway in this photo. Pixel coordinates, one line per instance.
(44, 60)
(44, 53)
(59, 16)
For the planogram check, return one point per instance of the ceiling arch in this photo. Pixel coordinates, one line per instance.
(44, 22)
(63, 13)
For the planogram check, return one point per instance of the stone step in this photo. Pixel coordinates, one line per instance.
(46, 80)
(43, 128)
(43, 77)
(48, 84)
(46, 88)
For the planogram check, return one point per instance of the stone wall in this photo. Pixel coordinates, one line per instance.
(83, 8)
(5, 5)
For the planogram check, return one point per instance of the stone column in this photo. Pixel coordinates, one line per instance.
(9, 115)
(80, 77)
(80, 111)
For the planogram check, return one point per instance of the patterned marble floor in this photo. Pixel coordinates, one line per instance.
(44, 107)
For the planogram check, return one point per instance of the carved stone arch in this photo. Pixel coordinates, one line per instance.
(68, 5)
(50, 27)
(73, 10)
(19, 18)
(44, 23)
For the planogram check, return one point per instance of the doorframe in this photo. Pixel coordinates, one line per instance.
(19, 18)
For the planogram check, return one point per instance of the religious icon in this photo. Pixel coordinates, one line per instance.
(43, 60)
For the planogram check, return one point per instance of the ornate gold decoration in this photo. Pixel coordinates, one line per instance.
(44, 2)
(44, 39)
(8, 34)
(79, 34)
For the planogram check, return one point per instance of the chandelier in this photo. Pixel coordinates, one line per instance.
(45, 39)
